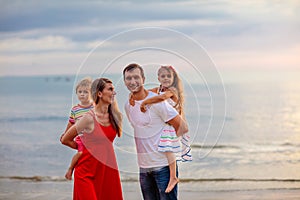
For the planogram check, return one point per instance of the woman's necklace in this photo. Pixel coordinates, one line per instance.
(103, 118)
(162, 89)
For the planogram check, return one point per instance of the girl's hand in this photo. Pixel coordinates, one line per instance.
(143, 107)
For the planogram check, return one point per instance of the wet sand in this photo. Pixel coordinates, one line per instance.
(11, 189)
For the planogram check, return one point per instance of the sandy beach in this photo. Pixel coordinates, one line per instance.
(11, 189)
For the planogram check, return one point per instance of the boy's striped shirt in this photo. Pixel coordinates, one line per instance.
(77, 112)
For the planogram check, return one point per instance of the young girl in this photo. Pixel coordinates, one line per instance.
(83, 92)
(170, 89)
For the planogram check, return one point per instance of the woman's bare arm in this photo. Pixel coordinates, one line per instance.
(68, 126)
(179, 125)
(68, 137)
(86, 123)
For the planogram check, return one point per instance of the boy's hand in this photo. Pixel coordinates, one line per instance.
(131, 100)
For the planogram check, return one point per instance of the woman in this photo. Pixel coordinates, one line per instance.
(96, 173)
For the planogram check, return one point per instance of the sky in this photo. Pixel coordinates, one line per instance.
(39, 37)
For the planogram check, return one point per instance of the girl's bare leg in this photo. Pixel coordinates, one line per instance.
(172, 166)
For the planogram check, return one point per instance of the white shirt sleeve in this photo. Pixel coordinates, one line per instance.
(165, 111)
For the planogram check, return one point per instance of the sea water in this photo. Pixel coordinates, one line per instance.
(244, 134)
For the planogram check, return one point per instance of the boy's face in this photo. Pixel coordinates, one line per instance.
(83, 94)
(133, 80)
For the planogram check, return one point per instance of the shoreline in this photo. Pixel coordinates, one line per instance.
(12, 189)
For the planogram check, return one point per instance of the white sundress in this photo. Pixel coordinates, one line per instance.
(169, 142)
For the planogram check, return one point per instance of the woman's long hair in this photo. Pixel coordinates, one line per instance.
(115, 116)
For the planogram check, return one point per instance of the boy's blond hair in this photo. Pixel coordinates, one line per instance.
(85, 82)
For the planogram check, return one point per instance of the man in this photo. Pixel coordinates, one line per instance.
(154, 169)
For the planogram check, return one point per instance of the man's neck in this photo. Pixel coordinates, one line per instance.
(140, 95)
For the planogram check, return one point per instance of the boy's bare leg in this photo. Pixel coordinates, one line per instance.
(75, 158)
(69, 174)
(172, 166)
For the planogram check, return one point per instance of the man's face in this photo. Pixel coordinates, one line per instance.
(133, 80)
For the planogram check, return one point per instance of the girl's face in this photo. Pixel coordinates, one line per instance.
(83, 94)
(165, 78)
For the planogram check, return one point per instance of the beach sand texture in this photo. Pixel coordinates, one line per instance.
(62, 190)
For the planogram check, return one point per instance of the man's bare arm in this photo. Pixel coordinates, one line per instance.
(179, 125)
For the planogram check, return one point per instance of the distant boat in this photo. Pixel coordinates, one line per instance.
(58, 78)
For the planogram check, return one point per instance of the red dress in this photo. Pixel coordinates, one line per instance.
(96, 175)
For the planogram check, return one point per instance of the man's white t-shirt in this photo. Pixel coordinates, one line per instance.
(148, 127)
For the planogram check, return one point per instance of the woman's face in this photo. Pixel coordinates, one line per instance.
(165, 77)
(108, 93)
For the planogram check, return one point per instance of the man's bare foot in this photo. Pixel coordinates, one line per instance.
(69, 174)
(171, 185)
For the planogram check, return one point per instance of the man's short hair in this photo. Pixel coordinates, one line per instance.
(132, 67)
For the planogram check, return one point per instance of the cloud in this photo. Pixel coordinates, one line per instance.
(41, 63)
(20, 15)
(225, 28)
(38, 45)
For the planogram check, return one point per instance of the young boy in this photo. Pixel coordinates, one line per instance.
(83, 92)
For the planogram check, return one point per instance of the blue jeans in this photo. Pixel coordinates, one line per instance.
(154, 182)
